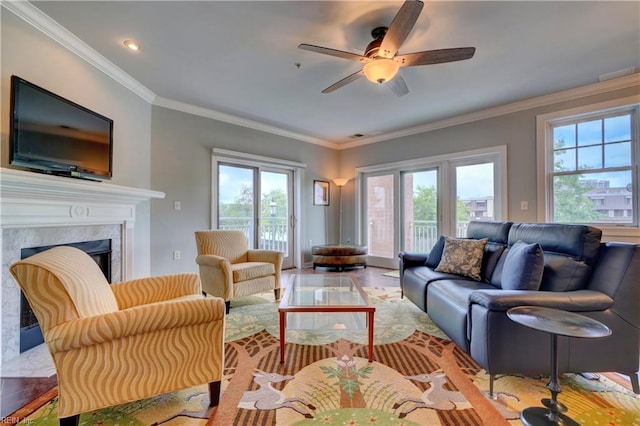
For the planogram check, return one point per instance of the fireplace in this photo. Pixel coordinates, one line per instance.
(30, 333)
(39, 210)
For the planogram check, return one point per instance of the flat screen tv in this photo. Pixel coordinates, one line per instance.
(51, 134)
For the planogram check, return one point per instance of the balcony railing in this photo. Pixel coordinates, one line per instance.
(272, 234)
(423, 235)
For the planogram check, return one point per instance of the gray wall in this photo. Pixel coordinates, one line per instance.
(516, 130)
(30, 54)
(181, 167)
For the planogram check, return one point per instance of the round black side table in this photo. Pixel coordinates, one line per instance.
(557, 323)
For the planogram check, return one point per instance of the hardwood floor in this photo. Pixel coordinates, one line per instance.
(15, 392)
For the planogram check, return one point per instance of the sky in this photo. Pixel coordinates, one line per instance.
(231, 180)
(594, 144)
(473, 181)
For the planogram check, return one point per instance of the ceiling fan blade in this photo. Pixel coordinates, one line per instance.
(400, 28)
(344, 82)
(439, 56)
(397, 85)
(333, 52)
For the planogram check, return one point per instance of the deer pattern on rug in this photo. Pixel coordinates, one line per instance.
(336, 383)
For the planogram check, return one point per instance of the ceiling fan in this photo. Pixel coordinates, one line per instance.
(381, 60)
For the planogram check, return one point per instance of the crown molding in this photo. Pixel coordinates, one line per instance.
(540, 101)
(239, 121)
(42, 22)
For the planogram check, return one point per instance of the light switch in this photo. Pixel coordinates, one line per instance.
(177, 205)
(524, 205)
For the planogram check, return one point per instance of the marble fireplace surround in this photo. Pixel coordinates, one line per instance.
(38, 209)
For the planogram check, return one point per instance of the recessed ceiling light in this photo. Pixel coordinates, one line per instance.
(132, 44)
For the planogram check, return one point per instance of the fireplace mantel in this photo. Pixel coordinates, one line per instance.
(32, 199)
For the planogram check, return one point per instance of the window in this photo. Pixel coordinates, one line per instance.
(590, 158)
(259, 196)
(406, 205)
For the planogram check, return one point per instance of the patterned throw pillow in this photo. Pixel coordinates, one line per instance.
(462, 257)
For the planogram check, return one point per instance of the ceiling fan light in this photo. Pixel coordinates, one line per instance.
(380, 70)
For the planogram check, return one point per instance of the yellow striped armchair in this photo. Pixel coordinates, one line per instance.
(113, 344)
(229, 269)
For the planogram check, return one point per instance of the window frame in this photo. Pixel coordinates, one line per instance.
(445, 165)
(263, 163)
(545, 159)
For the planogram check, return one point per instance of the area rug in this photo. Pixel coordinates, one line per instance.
(418, 377)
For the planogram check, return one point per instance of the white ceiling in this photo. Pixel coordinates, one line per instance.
(238, 57)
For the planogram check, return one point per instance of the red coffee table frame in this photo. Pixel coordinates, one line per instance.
(285, 308)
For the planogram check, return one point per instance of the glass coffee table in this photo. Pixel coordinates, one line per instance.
(314, 294)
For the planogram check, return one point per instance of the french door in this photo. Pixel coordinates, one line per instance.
(474, 182)
(380, 216)
(408, 205)
(420, 223)
(258, 201)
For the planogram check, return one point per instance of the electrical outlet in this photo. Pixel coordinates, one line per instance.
(524, 205)
(177, 255)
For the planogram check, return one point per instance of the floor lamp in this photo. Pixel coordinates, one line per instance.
(340, 182)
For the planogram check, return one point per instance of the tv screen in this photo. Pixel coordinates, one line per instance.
(52, 134)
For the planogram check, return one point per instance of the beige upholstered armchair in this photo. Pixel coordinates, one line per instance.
(118, 343)
(229, 269)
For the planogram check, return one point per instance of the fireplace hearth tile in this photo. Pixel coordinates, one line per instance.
(35, 362)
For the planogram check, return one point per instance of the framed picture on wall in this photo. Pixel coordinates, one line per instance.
(320, 193)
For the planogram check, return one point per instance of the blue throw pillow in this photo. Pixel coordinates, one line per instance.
(436, 253)
(523, 267)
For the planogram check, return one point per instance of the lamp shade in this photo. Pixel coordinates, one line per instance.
(341, 181)
(380, 70)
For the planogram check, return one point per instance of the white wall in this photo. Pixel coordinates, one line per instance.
(30, 54)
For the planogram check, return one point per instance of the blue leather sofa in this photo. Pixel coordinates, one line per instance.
(581, 274)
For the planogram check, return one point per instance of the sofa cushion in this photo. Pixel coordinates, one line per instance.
(580, 242)
(562, 273)
(250, 270)
(523, 267)
(462, 257)
(436, 253)
(492, 253)
(428, 275)
(448, 307)
(497, 232)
